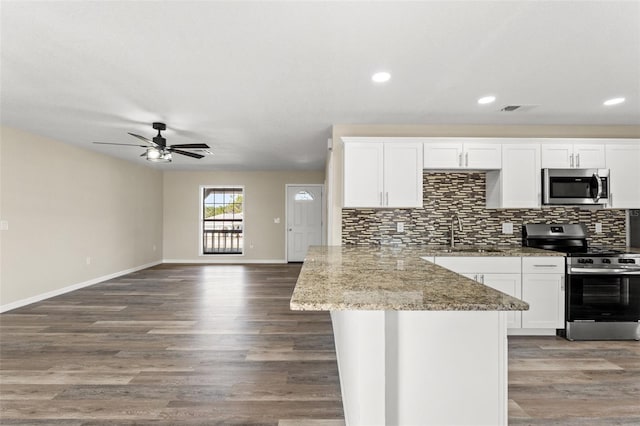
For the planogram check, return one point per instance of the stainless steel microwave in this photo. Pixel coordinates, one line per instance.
(575, 186)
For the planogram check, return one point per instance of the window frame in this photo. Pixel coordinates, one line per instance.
(201, 209)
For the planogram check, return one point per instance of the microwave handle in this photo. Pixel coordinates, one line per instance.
(599, 180)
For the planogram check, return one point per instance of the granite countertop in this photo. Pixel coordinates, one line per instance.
(337, 278)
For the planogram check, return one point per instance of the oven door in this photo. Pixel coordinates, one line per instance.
(603, 297)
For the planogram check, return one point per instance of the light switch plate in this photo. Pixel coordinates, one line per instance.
(276, 220)
(507, 228)
(4, 225)
(400, 227)
(598, 228)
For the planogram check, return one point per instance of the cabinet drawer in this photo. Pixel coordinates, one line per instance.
(480, 264)
(543, 265)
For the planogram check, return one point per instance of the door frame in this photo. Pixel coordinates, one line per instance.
(323, 216)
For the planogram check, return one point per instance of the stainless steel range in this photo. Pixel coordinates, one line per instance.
(603, 284)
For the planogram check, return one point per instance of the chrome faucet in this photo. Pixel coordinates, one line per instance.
(455, 216)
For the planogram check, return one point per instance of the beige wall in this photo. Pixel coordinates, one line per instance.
(65, 204)
(334, 173)
(264, 201)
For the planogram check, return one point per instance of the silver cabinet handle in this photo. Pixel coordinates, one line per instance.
(475, 277)
(460, 159)
(571, 161)
(577, 160)
(482, 278)
(381, 203)
(562, 283)
(466, 159)
(387, 196)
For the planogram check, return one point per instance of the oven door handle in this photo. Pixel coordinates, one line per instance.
(603, 271)
(599, 180)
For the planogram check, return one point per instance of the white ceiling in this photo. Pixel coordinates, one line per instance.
(263, 82)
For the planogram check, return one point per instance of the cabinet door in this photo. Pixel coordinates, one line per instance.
(623, 162)
(510, 284)
(545, 295)
(557, 155)
(520, 176)
(402, 174)
(363, 174)
(483, 155)
(589, 156)
(442, 155)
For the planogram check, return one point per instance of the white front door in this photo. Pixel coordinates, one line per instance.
(304, 220)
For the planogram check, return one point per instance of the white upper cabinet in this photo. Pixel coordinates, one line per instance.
(623, 162)
(517, 185)
(403, 174)
(572, 153)
(382, 172)
(363, 174)
(461, 153)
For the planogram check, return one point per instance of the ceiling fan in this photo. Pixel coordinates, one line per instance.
(157, 149)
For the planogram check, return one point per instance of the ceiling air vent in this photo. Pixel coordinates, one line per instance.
(519, 108)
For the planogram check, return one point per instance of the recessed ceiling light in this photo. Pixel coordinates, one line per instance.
(381, 77)
(613, 101)
(486, 100)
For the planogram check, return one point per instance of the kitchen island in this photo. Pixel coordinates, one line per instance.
(416, 344)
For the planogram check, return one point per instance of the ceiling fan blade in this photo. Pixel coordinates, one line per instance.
(188, 154)
(143, 138)
(191, 146)
(125, 144)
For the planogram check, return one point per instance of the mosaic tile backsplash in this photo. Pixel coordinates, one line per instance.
(463, 194)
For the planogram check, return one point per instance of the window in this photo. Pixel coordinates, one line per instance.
(222, 220)
(303, 196)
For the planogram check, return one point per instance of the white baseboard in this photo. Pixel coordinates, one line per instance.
(224, 260)
(53, 293)
(531, 332)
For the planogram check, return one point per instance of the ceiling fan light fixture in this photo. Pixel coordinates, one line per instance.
(153, 154)
(157, 156)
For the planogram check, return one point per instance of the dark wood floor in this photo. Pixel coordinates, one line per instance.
(205, 344)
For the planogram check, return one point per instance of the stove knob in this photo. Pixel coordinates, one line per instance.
(606, 260)
(582, 260)
(589, 261)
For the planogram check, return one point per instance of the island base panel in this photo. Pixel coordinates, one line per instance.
(422, 367)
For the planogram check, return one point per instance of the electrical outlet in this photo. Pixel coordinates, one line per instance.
(400, 226)
(276, 220)
(154, 247)
(507, 228)
(4, 225)
(88, 260)
(598, 228)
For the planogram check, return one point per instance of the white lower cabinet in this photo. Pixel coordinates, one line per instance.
(543, 289)
(510, 284)
(539, 281)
